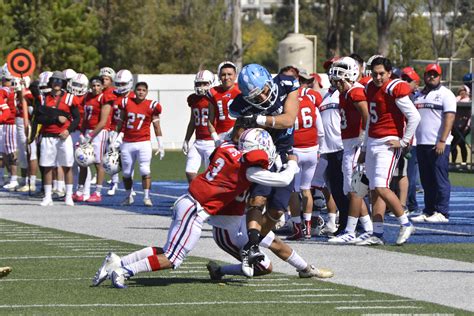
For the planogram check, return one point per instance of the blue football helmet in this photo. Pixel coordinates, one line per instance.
(252, 82)
(467, 79)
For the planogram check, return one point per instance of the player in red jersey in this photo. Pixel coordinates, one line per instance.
(4, 110)
(389, 106)
(354, 115)
(9, 146)
(138, 114)
(59, 116)
(95, 128)
(308, 133)
(203, 145)
(307, 86)
(229, 174)
(221, 98)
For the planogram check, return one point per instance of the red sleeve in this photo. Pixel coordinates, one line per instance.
(108, 97)
(4, 111)
(190, 100)
(319, 99)
(256, 158)
(358, 94)
(401, 90)
(157, 110)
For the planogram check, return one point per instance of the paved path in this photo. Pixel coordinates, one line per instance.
(441, 281)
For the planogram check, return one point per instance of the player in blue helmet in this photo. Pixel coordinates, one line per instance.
(271, 103)
(467, 79)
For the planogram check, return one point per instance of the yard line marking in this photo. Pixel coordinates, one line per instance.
(201, 303)
(434, 230)
(154, 194)
(49, 257)
(324, 295)
(193, 263)
(42, 240)
(278, 284)
(296, 290)
(270, 279)
(30, 280)
(377, 307)
(189, 271)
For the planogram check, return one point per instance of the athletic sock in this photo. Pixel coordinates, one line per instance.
(32, 180)
(366, 222)
(14, 178)
(378, 229)
(296, 261)
(139, 266)
(69, 190)
(403, 220)
(332, 220)
(307, 216)
(61, 186)
(232, 269)
(138, 255)
(351, 224)
(146, 193)
(47, 191)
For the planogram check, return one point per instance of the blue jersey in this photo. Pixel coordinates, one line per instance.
(283, 138)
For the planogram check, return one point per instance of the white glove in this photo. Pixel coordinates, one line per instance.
(185, 148)
(85, 139)
(161, 147)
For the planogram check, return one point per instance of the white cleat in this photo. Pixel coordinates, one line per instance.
(312, 271)
(4, 271)
(419, 219)
(119, 276)
(147, 202)
(47, 202)
(26, 188)
(343, 239)
(362, 237)
(405, 233)
(12, 186)
(110, 263)
(112, 189)
(371, 241)
(328, 230)
(69, 201)
(437, 218)
(128, 201)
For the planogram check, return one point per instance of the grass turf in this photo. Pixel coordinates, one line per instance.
(52, 273)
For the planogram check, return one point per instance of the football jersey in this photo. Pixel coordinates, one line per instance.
(67, 101)
(306, 132)
(199, 105)
(138, 117)
(365, 80)
(307, 91)
(28, 96)
(225, 177)
(221, 100)
(4, 111)
(115, 114)
(351, 120)
(331, 117)
(92, 109)
(80, 107)
(9, 97)
(283, 138)
(385, 118)
(432, 105)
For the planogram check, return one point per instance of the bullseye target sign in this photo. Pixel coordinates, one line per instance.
(21, 62)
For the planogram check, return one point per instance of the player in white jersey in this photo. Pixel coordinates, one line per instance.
(437, 107)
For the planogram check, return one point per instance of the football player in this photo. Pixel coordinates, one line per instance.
(389, 106)
(271, 103)
(221, 98)
(309, 132)
(137, 115)
(203, 145)
(230, 173)
(95, 129)
(354, 114)
(10, 155)
(59, 116)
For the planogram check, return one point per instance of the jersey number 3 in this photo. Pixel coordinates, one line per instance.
(212, 173)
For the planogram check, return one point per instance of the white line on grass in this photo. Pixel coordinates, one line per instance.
(189, 271)
(324, 295)
(153, 194)
(49, 257)
(379, 307)
(201, 303)
(43, 280)
(43, 240)
(278, 284)
(296, 290)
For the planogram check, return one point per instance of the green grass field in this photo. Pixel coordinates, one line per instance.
(52, 273)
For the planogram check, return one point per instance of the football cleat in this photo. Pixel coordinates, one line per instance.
(344, 238)
(328, 230)
(95, 198)
(128, 201)
(247, 268)
(4, 271)
(363, 237)
(297, 232)
(405, 233)
(12, 186)
(214, 271)
(47, 202)
(69, 201)
(119, 276)
(112, 189)
(110, 263)
(371, 241)
(147, 202)
(420, 218)
(27, 188)
(312, 271)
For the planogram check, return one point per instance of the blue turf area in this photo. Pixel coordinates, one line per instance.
(460, 228)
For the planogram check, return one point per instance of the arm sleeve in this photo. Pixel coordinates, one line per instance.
(266, 177)
(413, 117)
(76, 117)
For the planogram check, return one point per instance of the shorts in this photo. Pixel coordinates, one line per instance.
(319, 178)
(9, 139)
(99, 142)
(55, 152)
(380, 163)
(130, 152)
(349, 162)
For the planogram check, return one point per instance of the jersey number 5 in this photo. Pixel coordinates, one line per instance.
(373, 113)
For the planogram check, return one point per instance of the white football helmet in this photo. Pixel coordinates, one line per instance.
(6, 73)
(69, 73)
(43, 81)
(368, 64)
(16, 83)
(258, 138)
(123, 81)
(203, 76)
(345, 69)
(78, 85)
(111, 161)
(84, 155)
(107, 71)
(359, 182)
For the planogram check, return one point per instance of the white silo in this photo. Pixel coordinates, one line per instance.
(296, 50)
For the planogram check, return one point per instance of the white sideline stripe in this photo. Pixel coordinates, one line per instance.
(200, 303)
(278, 284)
(324, 295)
(270, 279)
(189, 271)
(296, 290)
(379, 307)
(193, 263)
(50, 257)
(43, 240)
(433, 230)
(153, 194)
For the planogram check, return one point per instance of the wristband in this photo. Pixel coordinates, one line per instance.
(442, 141)
(214, 136)
(273, 122)
(261, 120)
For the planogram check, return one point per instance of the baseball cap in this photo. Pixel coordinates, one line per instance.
(304, 74)
(410, 73)
(327, 64)
(317, 78)
(433, 67)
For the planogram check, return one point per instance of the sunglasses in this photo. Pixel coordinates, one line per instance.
(432, 74)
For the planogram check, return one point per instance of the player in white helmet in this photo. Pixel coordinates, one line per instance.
(203, 145)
